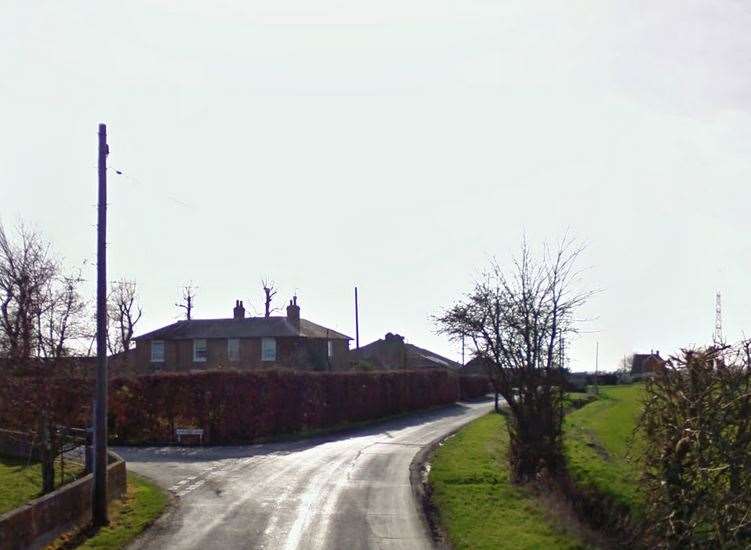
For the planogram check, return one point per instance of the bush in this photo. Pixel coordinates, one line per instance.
(697, 426)
(241, 407)
(474, 386)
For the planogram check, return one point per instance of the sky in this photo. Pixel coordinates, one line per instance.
(397, 146)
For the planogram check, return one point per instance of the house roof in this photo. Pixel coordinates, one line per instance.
(477, 365)
(430, 357)
(384, 350)
(251, 327)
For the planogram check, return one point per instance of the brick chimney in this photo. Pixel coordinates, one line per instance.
(293, 312)
(239, 311)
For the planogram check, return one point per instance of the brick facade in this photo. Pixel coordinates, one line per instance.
(304, 353)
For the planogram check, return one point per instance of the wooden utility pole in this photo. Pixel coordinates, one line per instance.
(99, 501)
(597, 368)
(357, 322)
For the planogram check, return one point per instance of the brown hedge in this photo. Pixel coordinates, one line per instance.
(474, 386)
(241, 407)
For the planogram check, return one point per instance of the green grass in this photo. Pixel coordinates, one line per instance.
(478, 506)
(143, 504)
(597, 444)
(21, 481)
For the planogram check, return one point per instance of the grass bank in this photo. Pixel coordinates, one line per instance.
(142, 505)
(21, 481)
(478, 506)
(598, 445)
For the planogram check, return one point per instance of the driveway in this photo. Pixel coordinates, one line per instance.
(345, 491)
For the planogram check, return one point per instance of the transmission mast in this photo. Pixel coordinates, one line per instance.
(718, 337)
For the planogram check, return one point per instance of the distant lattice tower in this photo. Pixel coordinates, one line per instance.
(718, 337)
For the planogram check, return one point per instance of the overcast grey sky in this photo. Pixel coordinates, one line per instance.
(396, 145)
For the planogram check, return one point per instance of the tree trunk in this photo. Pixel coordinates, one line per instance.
(46, 457)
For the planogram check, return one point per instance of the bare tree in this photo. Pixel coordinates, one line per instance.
(516, 319)
(43, 319)
(269, 291)
(124, 313)
(624, 367)
(189, 294)
(26, 270)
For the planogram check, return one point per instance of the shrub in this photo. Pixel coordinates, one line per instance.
(474, 386)
(240, 407)
(697, 425)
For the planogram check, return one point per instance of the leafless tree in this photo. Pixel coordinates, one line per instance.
(26, 271)
(124, 314)
(43, 319)
(516, 319)
(189, 294)
(624, 367)
(269, 291)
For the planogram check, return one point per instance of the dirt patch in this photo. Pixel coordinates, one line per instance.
(560, 513)
(594, 444)
(603, 514)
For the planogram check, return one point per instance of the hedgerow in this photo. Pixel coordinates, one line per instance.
(241, 407)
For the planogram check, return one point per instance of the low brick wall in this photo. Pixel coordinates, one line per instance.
(40, 521)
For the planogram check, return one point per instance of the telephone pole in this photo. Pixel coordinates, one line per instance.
(597, 368)
(99, 511)
(357, 322)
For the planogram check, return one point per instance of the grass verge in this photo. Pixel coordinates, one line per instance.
(478, 506)
(599, 443)
(142, 505)
(21, 481)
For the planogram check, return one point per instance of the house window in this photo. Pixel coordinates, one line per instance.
(233, 349)
(157, 351)
(268, 349)
(200, 350)
(330, 348)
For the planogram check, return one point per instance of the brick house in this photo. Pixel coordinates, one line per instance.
(391, 352)
(644, 365)
(241, 343)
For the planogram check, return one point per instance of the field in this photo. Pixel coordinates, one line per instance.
(21, 481)
(478, 506)
(598, 443)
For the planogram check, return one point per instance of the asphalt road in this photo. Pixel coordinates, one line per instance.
(345, 491)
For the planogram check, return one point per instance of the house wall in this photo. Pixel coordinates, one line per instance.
(303, 353)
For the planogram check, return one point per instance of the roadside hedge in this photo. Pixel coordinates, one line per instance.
(241, 407)
(474, 386)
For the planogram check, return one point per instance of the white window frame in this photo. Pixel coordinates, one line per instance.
(196, 358)
(230, 355)
(330, 348)
(154, 358)
(268, 349)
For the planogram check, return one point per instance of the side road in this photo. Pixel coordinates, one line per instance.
(349, 490)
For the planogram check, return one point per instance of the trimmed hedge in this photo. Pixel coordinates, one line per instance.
(241, 407)
(474, 386)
